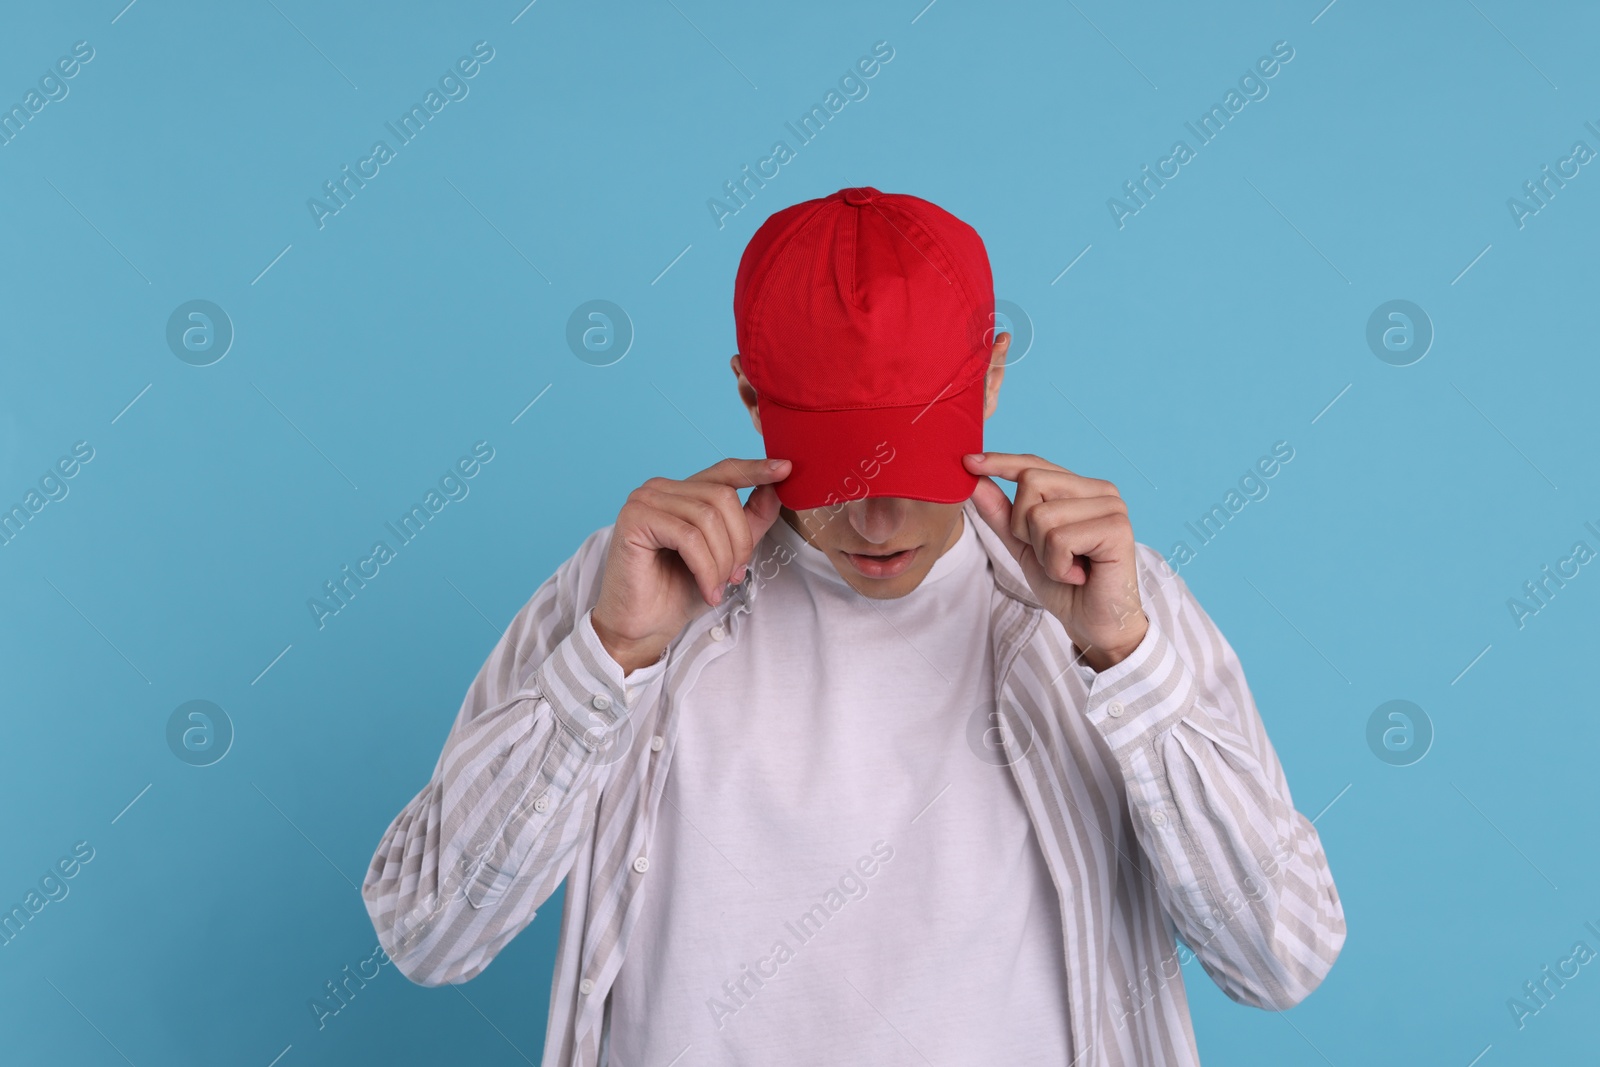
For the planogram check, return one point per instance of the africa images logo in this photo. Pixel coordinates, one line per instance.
(1205, 129)
(453, 486)
(852, 87)
(452, 86)
(739, 990)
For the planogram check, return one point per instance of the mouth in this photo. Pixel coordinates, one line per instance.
(881, 564)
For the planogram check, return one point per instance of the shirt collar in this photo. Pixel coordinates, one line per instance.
(1007, 571)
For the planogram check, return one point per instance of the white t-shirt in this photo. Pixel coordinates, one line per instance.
(836, 876)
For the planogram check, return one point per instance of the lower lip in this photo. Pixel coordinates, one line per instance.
(882, 566)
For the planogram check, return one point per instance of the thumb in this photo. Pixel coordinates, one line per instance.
(761, 510)
(995, 510)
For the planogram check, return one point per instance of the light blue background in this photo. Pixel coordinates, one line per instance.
(415, 324)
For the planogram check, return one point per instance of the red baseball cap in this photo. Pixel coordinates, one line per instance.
(864, 322)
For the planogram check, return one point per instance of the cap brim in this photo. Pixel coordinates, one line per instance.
(911, 452)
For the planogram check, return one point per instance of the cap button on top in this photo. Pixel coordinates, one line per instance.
(858, 197)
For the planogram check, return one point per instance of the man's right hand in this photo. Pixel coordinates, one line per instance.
(674, 547)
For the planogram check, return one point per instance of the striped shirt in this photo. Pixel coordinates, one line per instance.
(1154, 793)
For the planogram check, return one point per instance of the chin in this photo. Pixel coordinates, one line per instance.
(886, 588)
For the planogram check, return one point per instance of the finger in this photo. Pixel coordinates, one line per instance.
(1007, 465)
(1067, 549)
(689, 542)
(761, 511)
(741, 473)
(704, 516)
(995, 510)
(1046, 515)
(1058, 480)
(725, 499)
(1035, 484)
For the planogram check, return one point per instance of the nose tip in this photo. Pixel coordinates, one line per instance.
(876, 518)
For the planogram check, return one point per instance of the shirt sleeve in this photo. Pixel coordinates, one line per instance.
(543, 728)
(1241, 872)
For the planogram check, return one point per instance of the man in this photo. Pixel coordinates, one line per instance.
(949, 773)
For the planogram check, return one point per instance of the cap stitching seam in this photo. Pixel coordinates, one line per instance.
(950, 395)
(758, 304)
(754, 317)
(938, 246)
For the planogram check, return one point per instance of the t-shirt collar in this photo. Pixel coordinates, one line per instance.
(967, 551)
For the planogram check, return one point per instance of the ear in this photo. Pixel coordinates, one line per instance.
(996, 372)
(747, 393)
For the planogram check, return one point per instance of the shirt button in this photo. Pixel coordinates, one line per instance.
(718, 632)
(657, 743)
(1158, 817)
(541, 805)
(1115, 710)
(641, 865)
(601, 702)
(628, 694)
(586, 987)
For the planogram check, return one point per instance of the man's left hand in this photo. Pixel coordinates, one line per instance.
(1073, 539)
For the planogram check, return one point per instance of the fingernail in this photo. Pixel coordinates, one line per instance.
(976, 457)
(716, 597)
(774, 464)
(738, 575)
